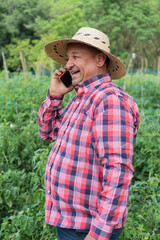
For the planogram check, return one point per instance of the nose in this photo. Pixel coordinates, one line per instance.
(69, 64)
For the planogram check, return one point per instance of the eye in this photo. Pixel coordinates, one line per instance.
(75, 57)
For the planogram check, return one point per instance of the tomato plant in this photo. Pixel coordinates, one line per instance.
(24, 156)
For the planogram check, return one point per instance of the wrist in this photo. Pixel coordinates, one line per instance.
(54, 93)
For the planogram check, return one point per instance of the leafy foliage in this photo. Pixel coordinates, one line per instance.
(144, 208)
(24, 156)
(27, 25)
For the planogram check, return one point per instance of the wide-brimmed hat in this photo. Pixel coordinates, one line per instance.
(57, 50)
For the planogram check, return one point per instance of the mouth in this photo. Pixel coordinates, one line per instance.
(75, 73)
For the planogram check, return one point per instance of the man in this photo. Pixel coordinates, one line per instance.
(89, 169)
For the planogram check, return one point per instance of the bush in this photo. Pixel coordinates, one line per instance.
(24, 156)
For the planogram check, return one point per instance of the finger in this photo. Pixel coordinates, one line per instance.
(62, 69)
(58, 72)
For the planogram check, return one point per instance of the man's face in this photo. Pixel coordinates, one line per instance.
(82, 62)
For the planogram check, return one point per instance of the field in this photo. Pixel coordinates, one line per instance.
(24, 156)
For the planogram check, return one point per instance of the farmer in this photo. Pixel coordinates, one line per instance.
(89, 169)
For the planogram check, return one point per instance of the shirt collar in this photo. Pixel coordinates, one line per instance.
(106, 77)
(83, 86)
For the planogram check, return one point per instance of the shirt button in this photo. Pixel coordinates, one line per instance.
(49, 191)
(78, 102)
(49, 168)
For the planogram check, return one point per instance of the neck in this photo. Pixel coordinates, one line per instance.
(101, 70)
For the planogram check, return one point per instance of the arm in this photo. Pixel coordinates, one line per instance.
(113, 138)
(49, 117)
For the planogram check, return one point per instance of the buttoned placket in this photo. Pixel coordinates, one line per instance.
(78, 99)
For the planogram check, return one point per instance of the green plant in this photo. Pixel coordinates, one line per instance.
(24, 156)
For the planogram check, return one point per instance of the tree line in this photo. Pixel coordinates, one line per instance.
(133, 26)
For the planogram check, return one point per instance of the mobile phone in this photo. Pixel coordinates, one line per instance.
(66, 78)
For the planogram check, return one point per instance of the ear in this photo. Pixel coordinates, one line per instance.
(101, 59)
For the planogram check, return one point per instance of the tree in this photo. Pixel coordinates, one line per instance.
(132, 25)
(19, 19)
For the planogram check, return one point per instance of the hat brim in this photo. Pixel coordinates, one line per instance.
(57, 50)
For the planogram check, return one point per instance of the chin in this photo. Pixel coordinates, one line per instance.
(76, 81)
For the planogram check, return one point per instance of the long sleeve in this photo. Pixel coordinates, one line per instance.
(113, 136)
(89, 168)
(49, 117)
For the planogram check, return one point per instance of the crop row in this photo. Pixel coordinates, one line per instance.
(24, 156)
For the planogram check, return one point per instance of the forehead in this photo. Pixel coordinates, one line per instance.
(79, 48)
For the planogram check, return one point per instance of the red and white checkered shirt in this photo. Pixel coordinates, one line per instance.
(89, 169)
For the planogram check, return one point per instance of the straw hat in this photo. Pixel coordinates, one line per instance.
(57, 50)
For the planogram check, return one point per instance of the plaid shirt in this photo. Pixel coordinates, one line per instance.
(89, 169)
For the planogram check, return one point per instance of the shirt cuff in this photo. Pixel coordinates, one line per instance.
(53, 100)
(100, 230)
(52, 97)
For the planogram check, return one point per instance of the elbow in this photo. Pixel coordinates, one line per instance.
(45, 138)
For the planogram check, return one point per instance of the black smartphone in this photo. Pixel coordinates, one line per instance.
(66, 78)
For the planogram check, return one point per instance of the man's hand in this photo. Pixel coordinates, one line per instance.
(88, 237)
(57, 88)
